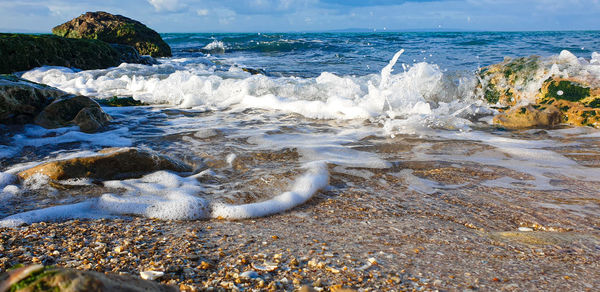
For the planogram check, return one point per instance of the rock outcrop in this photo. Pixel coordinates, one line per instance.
(73, 110)
(116, 29)
(47, 278)
(542, 92)
(111, 163)
(21, 100)
(22, 52)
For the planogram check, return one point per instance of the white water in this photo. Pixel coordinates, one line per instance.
(419, 101)
(167, 196)
(419, 97)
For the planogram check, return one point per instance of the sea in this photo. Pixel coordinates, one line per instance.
(269, 120)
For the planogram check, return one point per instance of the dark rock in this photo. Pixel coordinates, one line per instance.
(120, 101)
(22, 100)
(47, 278)
(77, 110)
(22, 52)
(115, 29)
(111, 163)
(129, 54)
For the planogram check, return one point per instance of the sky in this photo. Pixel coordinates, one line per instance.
(312, 15)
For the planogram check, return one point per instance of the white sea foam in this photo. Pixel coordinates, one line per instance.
(36, 136)
(64, 212)
(215, 47)
(316, 178)
(419, 96)
(167, 196)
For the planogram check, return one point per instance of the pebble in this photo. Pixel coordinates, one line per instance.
(151, 275)
(249, 275)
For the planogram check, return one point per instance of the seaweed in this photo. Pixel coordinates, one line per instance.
(571, 91)
(120, 101)
(491, 94)
(35, 279)
(564, 108)
(521, 68)
(594, 103)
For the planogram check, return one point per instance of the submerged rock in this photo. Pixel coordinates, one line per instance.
(111, 163)
(47, 278)
(537, 92)
(78, 110)
(120, 101)
(22, 52)
(115, 29)
(21, 100)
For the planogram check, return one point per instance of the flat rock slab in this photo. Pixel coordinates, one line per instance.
(111, 163)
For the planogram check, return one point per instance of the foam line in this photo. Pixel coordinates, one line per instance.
(316, 178)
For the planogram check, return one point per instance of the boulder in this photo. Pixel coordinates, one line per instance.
(47, 278)
(578, 102)
(22, 52)
(542, 92)
(22, 100)
(111, 163)
(129, 54)
(529, 117)
(73, 110)
(116, 29)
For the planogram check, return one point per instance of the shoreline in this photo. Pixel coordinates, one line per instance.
(348, 238)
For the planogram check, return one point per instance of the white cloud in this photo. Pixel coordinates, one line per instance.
(202, 12)
(167, 5)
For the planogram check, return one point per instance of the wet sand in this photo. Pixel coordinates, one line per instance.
(369, 231)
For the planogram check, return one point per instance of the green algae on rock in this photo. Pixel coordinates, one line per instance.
(577, 101)
(115, 29)
(529, 116)
(506, 82)
(49, 278)
(22, 52)
(120, 101)
(21, 100)
(531, 92)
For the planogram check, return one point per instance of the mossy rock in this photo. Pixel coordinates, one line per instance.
(48, 278)
(504, 83)
(22, 52)
(552, 100)
(115, 29)
(21, 100)
(120, 101)
(578, 102)
(529, 116)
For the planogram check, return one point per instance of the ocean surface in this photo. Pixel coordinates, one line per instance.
(323, 106)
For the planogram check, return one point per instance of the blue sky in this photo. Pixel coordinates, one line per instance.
(312, 15)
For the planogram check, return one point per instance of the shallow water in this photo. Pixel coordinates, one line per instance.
(334, 112)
